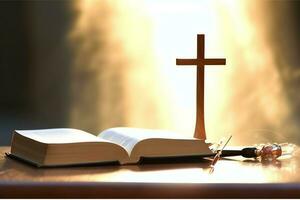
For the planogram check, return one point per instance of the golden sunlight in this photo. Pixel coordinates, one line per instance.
(126, 75)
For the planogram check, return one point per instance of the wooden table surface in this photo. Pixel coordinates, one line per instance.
(233, 178)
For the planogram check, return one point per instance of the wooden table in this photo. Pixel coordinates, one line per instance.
(232, 178)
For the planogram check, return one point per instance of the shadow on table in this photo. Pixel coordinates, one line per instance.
(255, 161)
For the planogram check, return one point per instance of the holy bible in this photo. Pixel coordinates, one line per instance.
(66, 146)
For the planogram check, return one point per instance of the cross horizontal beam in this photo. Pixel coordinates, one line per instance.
(207, 61)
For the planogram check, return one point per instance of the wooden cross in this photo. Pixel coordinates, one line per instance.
(200, 61)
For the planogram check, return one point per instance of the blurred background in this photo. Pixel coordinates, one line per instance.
(96, 64)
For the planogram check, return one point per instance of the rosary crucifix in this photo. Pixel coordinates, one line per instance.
(200, 61)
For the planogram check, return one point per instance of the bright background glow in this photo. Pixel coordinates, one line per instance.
(130, 48)
(96, 64)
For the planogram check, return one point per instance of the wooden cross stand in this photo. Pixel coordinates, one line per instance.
(200, 61)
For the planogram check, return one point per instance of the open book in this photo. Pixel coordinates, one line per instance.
(54, 147)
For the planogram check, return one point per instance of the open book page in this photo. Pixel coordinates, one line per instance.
(64, 146)
(60, 136)
(129, 137)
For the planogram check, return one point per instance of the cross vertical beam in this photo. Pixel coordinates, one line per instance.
(200, 61)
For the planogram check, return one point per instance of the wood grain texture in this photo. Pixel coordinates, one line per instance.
(232, 178)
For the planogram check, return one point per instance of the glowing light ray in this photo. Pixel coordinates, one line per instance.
(138, 42)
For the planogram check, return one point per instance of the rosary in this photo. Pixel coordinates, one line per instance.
(264, 152)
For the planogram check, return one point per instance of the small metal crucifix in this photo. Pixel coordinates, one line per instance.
(200, 61)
